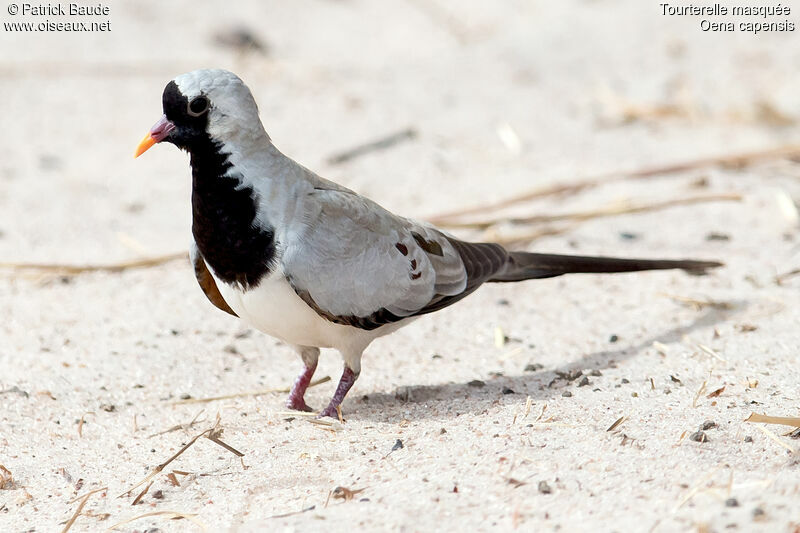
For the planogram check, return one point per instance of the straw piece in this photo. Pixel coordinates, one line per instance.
(739, 160)
(767, 419)
(66, 270)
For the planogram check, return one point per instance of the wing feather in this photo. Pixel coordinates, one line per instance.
(355, 263)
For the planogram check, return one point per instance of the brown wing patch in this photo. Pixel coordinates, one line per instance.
(431, 247)
(209, 286)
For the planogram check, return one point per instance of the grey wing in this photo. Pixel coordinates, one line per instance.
(356, 263)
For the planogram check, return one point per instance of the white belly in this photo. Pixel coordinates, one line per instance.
(274, 308)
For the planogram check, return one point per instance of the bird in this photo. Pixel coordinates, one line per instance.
(310, 262)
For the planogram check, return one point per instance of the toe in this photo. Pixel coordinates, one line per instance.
(298, 405)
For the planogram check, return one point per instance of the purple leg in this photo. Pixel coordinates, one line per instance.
(296, 400)
(348, 378)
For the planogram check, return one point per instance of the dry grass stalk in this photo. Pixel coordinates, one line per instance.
(81, 422)
(176, 427)
(83, 499)
(138, 498)
(711, 352)
(174, 515)
(523, 236)
(212, 434)
(782, 420)
(779, 279)
(310, 508)
(314, 383)
(699, 393)
(71, 270)
(775, 438)
(694, 490)
(582, 216)
(740, 160)
(378, 144)
(617, 423)
(699, 305)
(6, 479)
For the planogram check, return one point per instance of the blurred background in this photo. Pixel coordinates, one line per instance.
(485, 100)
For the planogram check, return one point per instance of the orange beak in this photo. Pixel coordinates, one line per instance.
(145, 145)
(157, 133)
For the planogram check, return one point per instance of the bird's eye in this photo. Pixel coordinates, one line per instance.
(198, 106)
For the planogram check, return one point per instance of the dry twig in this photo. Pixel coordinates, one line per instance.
(378, 144)
(613, 210)
(70, 270)
(212, 434)
(83, 499)
(246, 394)
(169, 514)
(766, 419)
(739, 160)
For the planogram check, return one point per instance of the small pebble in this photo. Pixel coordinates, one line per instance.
(476, 383)
(613, 338)
(108, 407)
(628, 236)
(583, 382)
(158, 495)
(708, 424)
(533, 367)
(566, 394)
(503, 301)
(634, 395)
(570, 375)
(748, 439)
(624, 381)
(507, 390)
(186, 396)
(544, 488)
(731, 502)
(699, 436)
(758, 513)
(398, 445)
(595, 373)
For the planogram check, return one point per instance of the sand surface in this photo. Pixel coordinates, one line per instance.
(503, 97)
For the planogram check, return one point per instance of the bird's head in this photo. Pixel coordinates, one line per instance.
(204, 105)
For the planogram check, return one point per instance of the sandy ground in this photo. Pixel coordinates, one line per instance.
(504, 97)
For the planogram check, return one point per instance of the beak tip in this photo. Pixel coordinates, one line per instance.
(145, 145)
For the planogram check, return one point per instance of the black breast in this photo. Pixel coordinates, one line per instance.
(237, 248)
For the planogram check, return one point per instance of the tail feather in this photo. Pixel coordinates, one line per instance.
(526, 265)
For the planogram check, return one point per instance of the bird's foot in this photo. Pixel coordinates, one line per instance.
(348, 378)
(296, 400)
(298, 404)
(329, 411)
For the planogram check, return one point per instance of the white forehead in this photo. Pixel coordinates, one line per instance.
(225, 89)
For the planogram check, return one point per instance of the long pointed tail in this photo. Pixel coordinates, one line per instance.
(526, 265)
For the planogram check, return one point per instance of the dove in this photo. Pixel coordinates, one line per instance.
(309, 261)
